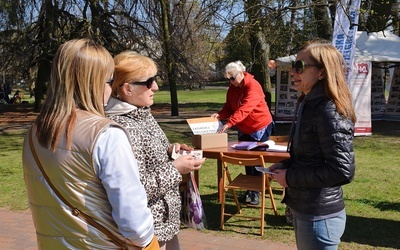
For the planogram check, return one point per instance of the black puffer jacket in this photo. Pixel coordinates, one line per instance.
(323, 159)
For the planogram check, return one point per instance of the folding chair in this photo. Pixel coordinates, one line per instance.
(245, 182)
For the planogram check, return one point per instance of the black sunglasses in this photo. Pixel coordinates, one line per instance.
(110, 81)
(300, 65)
(148, 83)
(233, 78)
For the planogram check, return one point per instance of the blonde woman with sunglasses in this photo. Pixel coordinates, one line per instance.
(321, 149)
(133, 89)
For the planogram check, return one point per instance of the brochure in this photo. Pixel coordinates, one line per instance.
(262, 146)
(264, 170)
(198, 154)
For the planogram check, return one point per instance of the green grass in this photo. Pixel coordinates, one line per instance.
(372, 199)
(12, 188)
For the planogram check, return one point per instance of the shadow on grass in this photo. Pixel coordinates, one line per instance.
(238, 225)
(381, 205)
(372, 231)
(366, 231)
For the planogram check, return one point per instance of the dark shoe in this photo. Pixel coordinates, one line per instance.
(246, 198)
(255, 197)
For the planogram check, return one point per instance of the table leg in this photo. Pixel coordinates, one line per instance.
(219, 179)
(196, 178)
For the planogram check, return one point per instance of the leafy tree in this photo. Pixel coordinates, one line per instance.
(379, 15)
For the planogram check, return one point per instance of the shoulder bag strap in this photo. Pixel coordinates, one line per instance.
(75, 211)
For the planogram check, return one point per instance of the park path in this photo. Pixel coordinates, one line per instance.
(18, 233)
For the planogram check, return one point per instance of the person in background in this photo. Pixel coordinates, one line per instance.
(245, 108)
(7, 92)
(321, 149)
(87, 157)
(133, 91)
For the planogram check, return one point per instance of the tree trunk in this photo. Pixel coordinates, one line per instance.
(41, 81)
(47, 22)
(252, 11)
(324, 25)
(169, 62)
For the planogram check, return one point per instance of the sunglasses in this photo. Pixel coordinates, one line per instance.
(148, 83)
(233, 78)
(110, 81)
(300, 65)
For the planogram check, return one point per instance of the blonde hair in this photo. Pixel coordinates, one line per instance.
(233, 68)
(78, 76)
(130, 67)
(325, 54)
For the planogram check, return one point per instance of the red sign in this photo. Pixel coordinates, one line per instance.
(362, 68)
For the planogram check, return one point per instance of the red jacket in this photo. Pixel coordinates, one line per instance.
(245, 106)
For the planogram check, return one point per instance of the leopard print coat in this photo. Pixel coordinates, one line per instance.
(160, 178)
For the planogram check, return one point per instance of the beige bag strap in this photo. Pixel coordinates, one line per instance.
(75, 211)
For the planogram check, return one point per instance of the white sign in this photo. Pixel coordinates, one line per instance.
(360, 89)
(204, 125)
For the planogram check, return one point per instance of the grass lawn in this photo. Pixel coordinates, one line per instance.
(372, 199)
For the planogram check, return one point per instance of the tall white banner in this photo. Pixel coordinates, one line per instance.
(345, 29)
(360, 88)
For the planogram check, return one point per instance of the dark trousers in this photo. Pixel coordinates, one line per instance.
(251, 170)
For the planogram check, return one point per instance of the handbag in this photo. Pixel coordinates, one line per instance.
(192, 213)
(122, 243)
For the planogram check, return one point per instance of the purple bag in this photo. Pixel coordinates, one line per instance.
(192, 213)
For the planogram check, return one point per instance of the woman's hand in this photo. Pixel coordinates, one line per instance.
(280, 177)
(280, 173)
(223, 129)
(276, 166)
(187, 163)
(178, 147)
(215, 116)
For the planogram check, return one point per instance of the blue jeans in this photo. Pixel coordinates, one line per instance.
(319, 235)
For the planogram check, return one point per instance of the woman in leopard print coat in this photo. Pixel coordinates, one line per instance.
(133, 90)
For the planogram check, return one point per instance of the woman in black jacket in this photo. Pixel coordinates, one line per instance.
(321, 150)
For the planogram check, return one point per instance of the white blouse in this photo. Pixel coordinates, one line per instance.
(117, 169)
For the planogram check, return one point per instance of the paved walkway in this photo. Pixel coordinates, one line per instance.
(18, 233)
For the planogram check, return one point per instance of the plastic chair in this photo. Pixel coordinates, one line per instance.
(245, 182)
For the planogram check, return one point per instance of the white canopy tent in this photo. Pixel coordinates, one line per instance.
(370, 47)
(377, 47)
(375, 55)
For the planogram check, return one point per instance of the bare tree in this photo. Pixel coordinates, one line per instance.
(189, 39)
